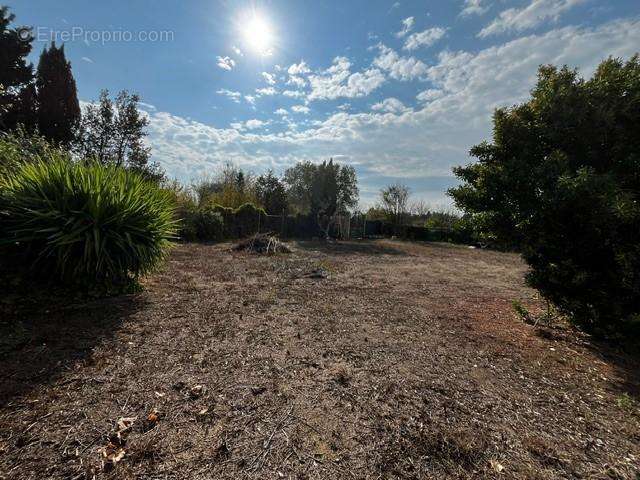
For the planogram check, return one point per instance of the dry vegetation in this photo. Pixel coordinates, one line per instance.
(402, 361)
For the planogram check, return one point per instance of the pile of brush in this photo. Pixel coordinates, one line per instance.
(262, 243)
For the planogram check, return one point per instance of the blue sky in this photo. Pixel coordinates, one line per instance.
(400, 90)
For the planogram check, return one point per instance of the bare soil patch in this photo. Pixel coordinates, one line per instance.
(400, 361)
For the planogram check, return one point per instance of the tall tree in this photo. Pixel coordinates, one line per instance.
(394, 200)
(17, 102)
(58, 106)
(322, 190)
(271, 193)
(113, 132)
(326, 188)
(561, 180)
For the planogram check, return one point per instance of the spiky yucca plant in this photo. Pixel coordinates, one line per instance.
(85, 222)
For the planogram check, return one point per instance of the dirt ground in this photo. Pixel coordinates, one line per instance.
(377, 360)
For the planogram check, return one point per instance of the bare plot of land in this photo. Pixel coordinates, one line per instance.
(354, 360)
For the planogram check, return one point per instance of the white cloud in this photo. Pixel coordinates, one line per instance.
(266, 91)
(254, 123)
(424, 39)
(235, 96)
(226, 63)
(86, 59)
(420, 144)
(147, 106)
(269, 78)
(429, 95)
(534, 14)
(281, 111)
(474, 7)
(297, 81)
(299, 68)
(301, 109)
(250, 99)
(390, 105)
(407, 25)
(399, 68)
(294, 94)
(338, 81)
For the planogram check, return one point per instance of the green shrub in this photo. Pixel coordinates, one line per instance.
(208, 224)
(560, 181)
(185, 210)
(19, 147)
(85, 223)
(248, 218)
(228, 218)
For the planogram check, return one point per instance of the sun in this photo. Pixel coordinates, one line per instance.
(258, 34)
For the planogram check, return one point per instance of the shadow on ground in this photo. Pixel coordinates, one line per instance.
(39, 345)
(362, 247)
(626, 364)
(623, 359)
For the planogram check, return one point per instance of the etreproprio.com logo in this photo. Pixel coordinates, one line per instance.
(88, 36)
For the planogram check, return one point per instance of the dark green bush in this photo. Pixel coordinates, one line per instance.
(185, 210)
(208, 224)
(86, 224)
(228, 219)
(248, 218)
(561, 182)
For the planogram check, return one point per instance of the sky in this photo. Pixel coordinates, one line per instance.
(400, 90)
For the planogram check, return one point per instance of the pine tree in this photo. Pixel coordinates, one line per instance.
(58, 106)
(17, 102)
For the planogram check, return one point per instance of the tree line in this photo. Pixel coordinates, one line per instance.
(44, 102)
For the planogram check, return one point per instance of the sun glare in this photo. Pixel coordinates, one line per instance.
(258, 35)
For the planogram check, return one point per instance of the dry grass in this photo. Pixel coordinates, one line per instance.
(407, 361)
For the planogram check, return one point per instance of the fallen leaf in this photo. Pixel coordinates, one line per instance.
(126, 423)
(196, 391)
(153, 416)
(496, 466)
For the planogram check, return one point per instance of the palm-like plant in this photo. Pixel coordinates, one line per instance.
(85, 222)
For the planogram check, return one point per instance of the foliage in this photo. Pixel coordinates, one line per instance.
(113, 132)
(247, 219)
(561, 181)
(324, 189)
(185, 209)
(85, 223)
(230, 187)
(394, 200)
(16, 76)
(271, 194)
(208, 225)
(58, 106)
(443, 220)
(195, 223)
(19, 147)
(22, 112)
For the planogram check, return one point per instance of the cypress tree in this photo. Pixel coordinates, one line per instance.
(58, 106)
(17, 102)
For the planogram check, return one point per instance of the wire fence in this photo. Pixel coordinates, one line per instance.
(347, 227)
